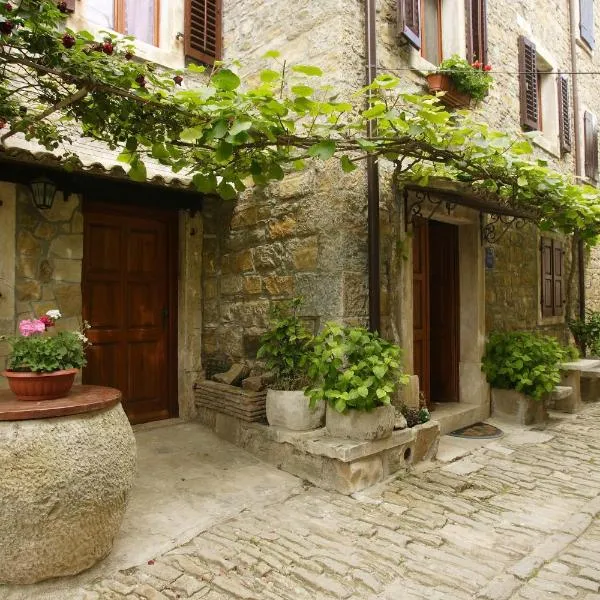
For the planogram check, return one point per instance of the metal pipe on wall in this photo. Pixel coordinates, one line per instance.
(372, 178)
(576, 139)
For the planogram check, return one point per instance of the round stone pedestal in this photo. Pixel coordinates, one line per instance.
(66, 469)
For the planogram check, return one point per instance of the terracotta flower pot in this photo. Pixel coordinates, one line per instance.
(439, 82)
(40, 386)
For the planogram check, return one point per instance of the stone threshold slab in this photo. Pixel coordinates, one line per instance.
(318, 443)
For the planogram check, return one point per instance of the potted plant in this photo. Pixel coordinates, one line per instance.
(285, 348)
(586, 332)
(460, 81)
(41, 365)
(356, 372)
(523, 369)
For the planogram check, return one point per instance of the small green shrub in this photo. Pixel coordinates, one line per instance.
(524, 361)
(354, 368)
(473, 79)
(586, 332)
(285, 347)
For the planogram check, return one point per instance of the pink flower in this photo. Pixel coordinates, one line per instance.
(28, 327)
(47, 321)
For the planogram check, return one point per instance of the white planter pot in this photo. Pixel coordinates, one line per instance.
(360, 424)
(291, 410)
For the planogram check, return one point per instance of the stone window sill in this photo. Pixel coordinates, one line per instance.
(548, 145)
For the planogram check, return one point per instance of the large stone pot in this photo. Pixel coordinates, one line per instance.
(291, 410)
(518, 408)
(64, 486)
(359, 424)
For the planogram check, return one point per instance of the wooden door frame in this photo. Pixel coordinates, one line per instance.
(171, 219)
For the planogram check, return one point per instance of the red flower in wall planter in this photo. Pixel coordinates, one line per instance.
(41, 366)
(460, 81)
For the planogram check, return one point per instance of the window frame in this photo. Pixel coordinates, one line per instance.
(440, 31)
(120, 21)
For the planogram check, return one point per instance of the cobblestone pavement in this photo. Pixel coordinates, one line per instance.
(517, 519)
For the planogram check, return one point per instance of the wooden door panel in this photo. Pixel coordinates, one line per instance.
(129, 276)
(103, 304)
(103, 365)
(143, 298)
(105, 239)
(421, 305)
(443, 312)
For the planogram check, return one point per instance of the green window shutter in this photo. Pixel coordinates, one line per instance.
(558, 265)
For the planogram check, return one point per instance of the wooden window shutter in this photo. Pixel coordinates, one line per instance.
(409, 21)
(590, 137)
(528, 79)
(564, 114)
(558, 264)
(203, 30)
(70, 5)
(547, 278)
(586, 22)
(476, 21)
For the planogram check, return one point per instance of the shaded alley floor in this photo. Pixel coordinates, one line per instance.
(515, 519)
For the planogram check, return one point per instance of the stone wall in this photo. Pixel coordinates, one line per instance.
(592, 279)
(49, 250)
(7, 267)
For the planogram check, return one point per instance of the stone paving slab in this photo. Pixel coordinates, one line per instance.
(515, 520)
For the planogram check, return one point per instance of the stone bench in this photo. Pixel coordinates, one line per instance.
(582, 376)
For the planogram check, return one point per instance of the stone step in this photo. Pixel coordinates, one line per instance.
(581, 364)
(561, 392)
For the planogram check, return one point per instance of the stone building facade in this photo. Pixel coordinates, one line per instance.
(307, 235)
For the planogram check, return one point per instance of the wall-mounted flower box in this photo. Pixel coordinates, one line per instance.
(439, 82)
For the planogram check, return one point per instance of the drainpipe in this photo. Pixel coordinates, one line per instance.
(372, 178)
(578, 169)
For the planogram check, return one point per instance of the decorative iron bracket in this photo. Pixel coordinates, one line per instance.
(414, 207)
(497, 225)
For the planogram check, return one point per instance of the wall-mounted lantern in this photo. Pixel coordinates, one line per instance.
(43, 191)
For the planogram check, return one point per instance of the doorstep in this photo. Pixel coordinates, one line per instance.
(344, 466)
(454, 415)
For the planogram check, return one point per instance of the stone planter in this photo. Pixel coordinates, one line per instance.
(66, 469)
(40, 386)
(439, 82)
(518, 408)
(359, 424)
(291, 410)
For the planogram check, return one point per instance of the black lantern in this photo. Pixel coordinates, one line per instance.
(43, 192)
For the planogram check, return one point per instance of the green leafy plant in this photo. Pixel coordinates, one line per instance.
(39, 351)
(286, 345)
(226, 132)
(586, 332)
(354, 368)
(473, 79)
(524, 361)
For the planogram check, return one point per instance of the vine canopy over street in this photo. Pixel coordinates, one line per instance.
(57, 84)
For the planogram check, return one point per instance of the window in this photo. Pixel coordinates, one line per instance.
(544, 99)
(476, 30)
(132, 17)
(552, 269)
(431, 31)
(203, 30)
(590, 140)
(586, 22)
(435, 28)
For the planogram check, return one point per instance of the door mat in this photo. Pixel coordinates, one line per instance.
(482, 431)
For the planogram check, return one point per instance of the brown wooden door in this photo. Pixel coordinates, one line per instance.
(443, 312)
(129, 298)
(421, 305)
